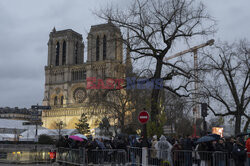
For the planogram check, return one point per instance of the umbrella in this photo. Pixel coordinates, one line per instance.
(100, 144)
(216, 136)
(103, 137)
(81, 136)
(242, 134)
(206, 139)
(76, 138)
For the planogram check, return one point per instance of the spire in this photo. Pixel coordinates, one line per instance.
(54, 30)
(129, 67)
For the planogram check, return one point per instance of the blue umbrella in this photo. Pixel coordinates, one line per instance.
(206, 139)
(216, 136)
(100, 144)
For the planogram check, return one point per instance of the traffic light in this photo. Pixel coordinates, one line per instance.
(204, 109)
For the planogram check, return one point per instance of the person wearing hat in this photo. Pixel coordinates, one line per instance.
(239, 152)
(154, 143)
(248, 149)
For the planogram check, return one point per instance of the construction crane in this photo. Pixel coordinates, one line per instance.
(196, 113)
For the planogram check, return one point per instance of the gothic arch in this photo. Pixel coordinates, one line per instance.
(104, 49)
(97, 48)
(57, 53)
(76, 53)
(55, 100)
(64, 53)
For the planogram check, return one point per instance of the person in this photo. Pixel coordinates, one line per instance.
(248, 149)
(239, 152)
(164, 148)
(188, 147)
(229, 144)
(154, 142)
(177, 155)
(220, 155)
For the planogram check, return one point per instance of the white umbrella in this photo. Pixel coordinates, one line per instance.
(103, 137)
(81, 136)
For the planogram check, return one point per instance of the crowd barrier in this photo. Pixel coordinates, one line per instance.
(28, 153)
(27, 156)
(144, 157)
(131, 156)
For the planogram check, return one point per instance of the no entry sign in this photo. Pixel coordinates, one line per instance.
(143, 117)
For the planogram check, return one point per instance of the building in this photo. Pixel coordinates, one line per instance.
(66, 72)
(10, 129)
(19, 114)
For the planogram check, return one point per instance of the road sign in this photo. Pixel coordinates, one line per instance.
(40, 107)
(143, 117)
(33, 123)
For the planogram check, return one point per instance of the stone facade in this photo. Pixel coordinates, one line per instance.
(66, 72)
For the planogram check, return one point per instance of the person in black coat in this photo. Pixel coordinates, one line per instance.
(220, 153)
(239, 152)
(229, 144)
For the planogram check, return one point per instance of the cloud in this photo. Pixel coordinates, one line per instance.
(24, 33)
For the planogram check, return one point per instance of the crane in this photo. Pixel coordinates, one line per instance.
(196, 113)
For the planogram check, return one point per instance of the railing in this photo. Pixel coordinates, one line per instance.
(71, 156)
(25, 153)
(18, 156)
(106, 156)
(144, 157)
(132, 156)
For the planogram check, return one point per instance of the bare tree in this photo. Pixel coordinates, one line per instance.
(154, 27)
(226, 81)
(116, 105)
(177, 111)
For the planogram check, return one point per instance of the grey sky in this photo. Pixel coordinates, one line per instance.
(24, 32)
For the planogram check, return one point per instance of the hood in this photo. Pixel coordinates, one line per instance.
(163, 138)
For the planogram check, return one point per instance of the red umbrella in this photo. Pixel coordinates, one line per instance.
(74, 137)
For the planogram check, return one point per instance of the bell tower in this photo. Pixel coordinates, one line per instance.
(105, 54)
(65, 57)
(65, 48)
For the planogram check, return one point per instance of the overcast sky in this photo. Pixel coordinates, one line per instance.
(24, 32)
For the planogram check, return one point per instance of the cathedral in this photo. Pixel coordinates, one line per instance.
(66, 71)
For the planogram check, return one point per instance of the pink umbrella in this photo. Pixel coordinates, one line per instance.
(74, 137)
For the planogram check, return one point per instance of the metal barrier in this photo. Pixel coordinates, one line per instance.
(159, 157)
(88, 157)
(71, 156)
(12, 155)
(106, 156)
(134, 156)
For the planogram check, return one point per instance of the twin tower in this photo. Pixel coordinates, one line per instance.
(66, 71)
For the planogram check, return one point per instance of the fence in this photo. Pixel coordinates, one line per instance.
(71, 156)
(25, 154)
(131, 156)
(96, 156)
(144, 156)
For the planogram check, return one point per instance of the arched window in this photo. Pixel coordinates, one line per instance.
(55, 100)
(76, 53)
(64, 53)
(97, 48)
(57, 53)
(61, 100)
(104, 47)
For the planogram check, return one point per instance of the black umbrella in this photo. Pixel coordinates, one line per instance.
(216, 136)
(206, 139)
(243, 134)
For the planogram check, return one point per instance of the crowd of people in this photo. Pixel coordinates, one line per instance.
(182, 151)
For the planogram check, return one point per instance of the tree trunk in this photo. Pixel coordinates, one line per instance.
(246, 125)
(122, 122)
(237, 124)
(155, 92)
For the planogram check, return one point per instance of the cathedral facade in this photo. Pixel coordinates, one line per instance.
(66, 72)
